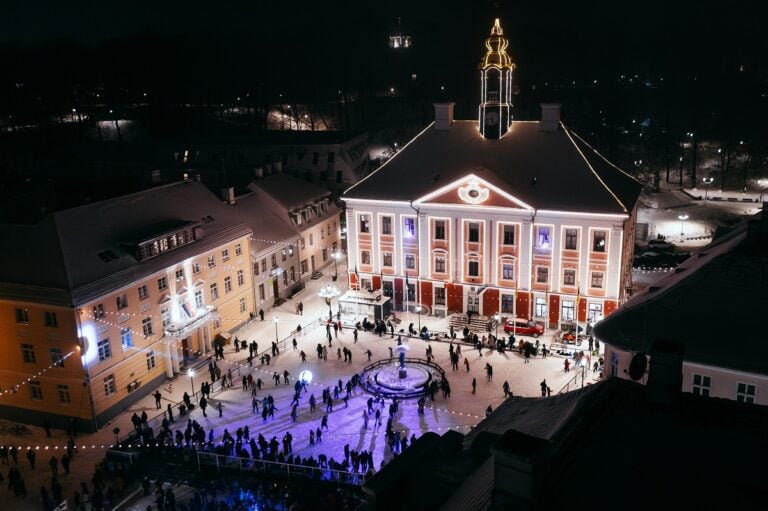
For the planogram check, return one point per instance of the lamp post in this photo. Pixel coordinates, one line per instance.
(683, 217)
(707, 181)
(275, 319)
(418, 311)
(329, 292)
(192, 381)
(497, 318)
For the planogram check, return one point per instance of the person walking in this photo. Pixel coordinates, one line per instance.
(47, 428)
(203, 405)
(355, 335)
(65, 463)
(466, 363)
(544, 387)
(567, 365)
(474, 385)
(220, 408)
(54, 464)
(369, 354)
(505, 387)
(295, 344)
(158, 396)
(31, 457)
(301, 309)
(254, 405)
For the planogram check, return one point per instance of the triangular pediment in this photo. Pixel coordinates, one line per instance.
(471, 190)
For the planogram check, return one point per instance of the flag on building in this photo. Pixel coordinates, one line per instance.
(187, 309)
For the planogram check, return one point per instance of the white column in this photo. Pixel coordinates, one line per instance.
(167, 360)
(351, 240)
(613, 275)
(175, 357)
(557, 246)
(424, 252)
(526, 249)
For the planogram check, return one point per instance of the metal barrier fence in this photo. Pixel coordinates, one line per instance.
(573, 384)
(221, 461)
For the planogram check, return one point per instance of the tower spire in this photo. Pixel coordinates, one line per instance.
(495, 116)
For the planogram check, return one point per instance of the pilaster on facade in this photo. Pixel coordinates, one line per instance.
(614, 264)
(526, 254)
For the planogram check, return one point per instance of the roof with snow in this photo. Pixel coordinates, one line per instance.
(709, 303)
(547, 170)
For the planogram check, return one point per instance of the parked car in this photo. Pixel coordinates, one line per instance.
(660, 245)
(522, 326)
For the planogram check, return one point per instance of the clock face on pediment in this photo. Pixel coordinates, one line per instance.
(473, 191)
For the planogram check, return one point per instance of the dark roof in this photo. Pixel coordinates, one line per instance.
(269, 224)
(560, 163)
(289, 191)
(237, 136)
(62, 251)
(702, 304)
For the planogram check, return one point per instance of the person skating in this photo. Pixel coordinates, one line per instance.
(544, 388)
(158, 396)
(474, 385)
(505, 387)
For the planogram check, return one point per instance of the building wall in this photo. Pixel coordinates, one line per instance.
(286, 271)
(319, 241)
(536, 260)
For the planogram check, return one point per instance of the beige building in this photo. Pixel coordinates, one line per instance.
(126, 290)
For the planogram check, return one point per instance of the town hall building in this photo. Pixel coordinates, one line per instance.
(494, 215)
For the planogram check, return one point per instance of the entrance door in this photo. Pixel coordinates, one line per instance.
(185, 349)
(274, 288)
(473, 302)
(312, 262)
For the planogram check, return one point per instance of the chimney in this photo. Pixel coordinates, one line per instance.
(278, 166)
(665, 374)
(520, 461)
(550, 116)
(443, 115)
(228, 195)
(259, 172)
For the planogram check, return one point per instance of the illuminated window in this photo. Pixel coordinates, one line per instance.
(597, 279)
(57, 357)
(568, 309)
(22, 315)
(227, 285)
(195, 268)
(126, 338)
(240, 278)
(542, 274)
(598, 241)
(211, 261)
(98, 312)
(439, 264)
(508, 271)
(595, 312)
(571, 239)
(28, 353)
(64, 397)
(143, 292)
(365, 257)
(122, 301)
(110, 387)
(386, 259)
(50, 320)
(543, 239)
(386, 225)
(701, 385)
(410, 261)
(507, 303)
(439, 229)
(162, 283)
(474, 232)
(569, 277)
(540, 307)
(284, 254)
(439, 296)
(745, 393)
(105, 349)
(146, 327)
(214, 291)
(35, 391)
(508, 237)
(179, 274)
(365, 224)
(150, 360)
(199, 298)
(225, 255)
(165, 317)
(409, 227)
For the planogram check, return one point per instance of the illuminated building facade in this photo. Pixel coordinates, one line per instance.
(530, 222)
(135, 286)
(495, 113)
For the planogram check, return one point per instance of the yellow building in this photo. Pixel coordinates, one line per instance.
(100, 303)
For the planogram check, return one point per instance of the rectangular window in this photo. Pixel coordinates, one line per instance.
(302, 244)
(439, 264)
(126, 338)
(311, 239)
(240, 278)
(365, 257)
(386, 259)
(35, 391)
(540, 307)
(261, 292)
(386, 225)
(284, 254)
(508, 271)
(211, 261)
(50, 320)
(571, 239)
(264, 264)
(439, 229)
(122, 301)
(57, 357)
(598, 241)
(365, 224)
(199, 299)
(387, 288)
(110, 387)
(304, 267)
(701, 385)
(28, 353)
(214, 292)
(225, 255)
(507, 304)
(162, 283)
(243, 305)
(597, 279)
(745, 393)
(227, 285)
(594, 312)
(105, 349)
(146, 327)
(256, 268)
(238, 249)
(543, 238)
(322, 234)
(143, 292)
(542, 274)
(474, 232)
(150, 360)
(165, 317)
(439, 296)
(474, 268)
(568, 310)
(195, 268)
(569, 277)
(22, 315)
(273, 259)
(325, 254)
(410, 262)
(98, 312)
(179, 274)
(293, 274)
(64, 397)
(409, 227)
(509, 235)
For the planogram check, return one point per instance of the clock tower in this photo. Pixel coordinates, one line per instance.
(495, 114)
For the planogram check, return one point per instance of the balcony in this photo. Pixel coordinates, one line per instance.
(184, 328)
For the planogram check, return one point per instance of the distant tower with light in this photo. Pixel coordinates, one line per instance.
(495, 115)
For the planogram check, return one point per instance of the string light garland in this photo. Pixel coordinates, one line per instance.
(15, 388)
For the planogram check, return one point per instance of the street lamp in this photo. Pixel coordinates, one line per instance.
(707, 181)
(192, 381)
(683, 217)
(418, 311)
(275, 319)
(329, 292)
(497, 318)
